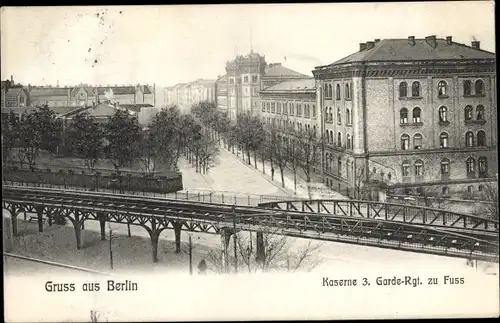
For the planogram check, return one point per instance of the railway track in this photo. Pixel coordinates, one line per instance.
(199, 216)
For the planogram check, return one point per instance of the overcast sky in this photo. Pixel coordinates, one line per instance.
(170, 44)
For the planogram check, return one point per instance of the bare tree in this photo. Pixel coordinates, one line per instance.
(278, 149)
(490, 196)
(279, 254)
(308, 153)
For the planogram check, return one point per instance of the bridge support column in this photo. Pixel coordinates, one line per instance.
(13, 218)
(102, 224)
(39, 214)
(261, 250)
(225, 238)
(177, 231)
(49, 217)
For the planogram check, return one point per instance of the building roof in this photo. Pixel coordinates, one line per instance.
(48, 91)
(296, 85)
(117, 90)
(15, 91)
(136, 107)
(402, 50)
(147, 89)
(277, 70)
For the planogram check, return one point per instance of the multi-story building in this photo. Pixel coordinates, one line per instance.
(221, 93)
(247, 75)
(185, 95)
(291, 104)
(411, 113)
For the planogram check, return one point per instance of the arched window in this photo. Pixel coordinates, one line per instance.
(419, 168)
(417, 141)
(403, 90)
(285, 108)
(347, 93)
(467, 87)
(326, 115)
(291, 109)
(468, 112)
(416, 115)
(442, 90)
(327, 136)
(479, 87)
(443, 114)
(469, 139)
(403, 114)
(481, 138)
(470, 163)
(405, 142)
(483, 165)
(263, 107)
(331, 114)
(314, 110)
(445, 190)
(330, 91)
(348, 116)
(339, 161)
(445, 166)
(443, 140)
(325, 90)
(348, 141)
(331, 137)
(337, 92)
(405, 168)
(415, 89)
(339, 116)
(327, 161)
(347, 168)
(480, 112)
(339, 139)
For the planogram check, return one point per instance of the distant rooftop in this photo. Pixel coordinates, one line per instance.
(296, 85)
(276, 70)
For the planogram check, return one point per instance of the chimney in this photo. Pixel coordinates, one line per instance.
(370, 44)
(449, 40)
(362, 46)
(12, 79)
(431, 40)
(411, 40)
(475, 44)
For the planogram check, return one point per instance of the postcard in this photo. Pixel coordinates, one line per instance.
(249, 162)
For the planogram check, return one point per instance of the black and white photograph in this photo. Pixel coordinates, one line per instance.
(249, 162)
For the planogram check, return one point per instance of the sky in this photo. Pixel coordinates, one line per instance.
(166, 45)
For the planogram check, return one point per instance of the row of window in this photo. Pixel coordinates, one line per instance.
(287, 124)
(349, 141)
(443, 114)
(328, 91)
(442, 89)
(470, 165)
(286, 108)
(329, 115)
(245, 79)
(444, 140)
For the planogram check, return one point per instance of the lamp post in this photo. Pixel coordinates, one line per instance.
(234, 240)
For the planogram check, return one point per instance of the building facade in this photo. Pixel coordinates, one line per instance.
(291, 104)
(185, 95)
(221, 93)
(247, 76)
(415, 114)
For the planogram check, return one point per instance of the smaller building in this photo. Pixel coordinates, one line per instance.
(291, 103)
(221, 93)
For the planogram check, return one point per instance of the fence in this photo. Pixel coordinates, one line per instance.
(229, 198)
(95, 181)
